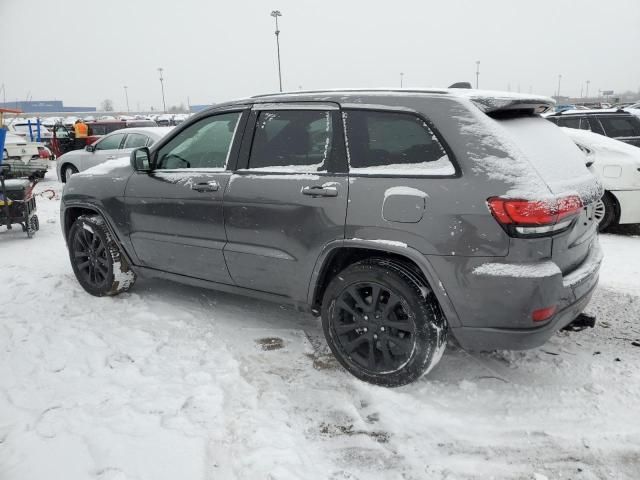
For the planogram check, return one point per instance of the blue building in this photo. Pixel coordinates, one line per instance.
(45, 106)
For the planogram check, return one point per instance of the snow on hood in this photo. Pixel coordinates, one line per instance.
(605, 148)
(106, 168)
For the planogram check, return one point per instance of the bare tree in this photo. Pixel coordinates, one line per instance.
(107, 105)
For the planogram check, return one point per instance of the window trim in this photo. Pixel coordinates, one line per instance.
(232, 154)
(452, 158)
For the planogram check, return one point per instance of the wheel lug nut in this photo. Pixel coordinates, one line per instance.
(364, 329)
(382, 329)
(366, 317)
(375, 337)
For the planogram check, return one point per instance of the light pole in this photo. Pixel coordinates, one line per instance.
(401, 78)
(275, 14)
(587, 94)
(558, 93)
(126, 96)
(477, 73)
(164, 105)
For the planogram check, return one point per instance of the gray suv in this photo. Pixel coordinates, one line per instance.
(401, 217)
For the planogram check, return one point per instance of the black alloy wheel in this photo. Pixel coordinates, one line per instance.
(373, 328)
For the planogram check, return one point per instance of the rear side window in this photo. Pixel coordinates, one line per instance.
(621, 126)
(292, 140)
(393, 143)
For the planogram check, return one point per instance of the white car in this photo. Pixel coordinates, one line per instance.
(25, 158)
(114, 145)
(634, 109)
(618, 166)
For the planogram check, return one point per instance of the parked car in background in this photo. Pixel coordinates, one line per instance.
(399, 217)
(108, 147)
(616, 124)
(618, 166)
(100, 128)
(634, 109)
(27, 159)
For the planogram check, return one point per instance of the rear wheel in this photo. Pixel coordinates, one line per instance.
(68, 171)
(96, 258)
(605, 212)
(383, 323)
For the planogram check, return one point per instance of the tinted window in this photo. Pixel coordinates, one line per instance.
(111, 142)
(135, 140)
(205, 144)
(621, 126)
(389, 142)
(97, 130)
(297, 140)
(570, 122)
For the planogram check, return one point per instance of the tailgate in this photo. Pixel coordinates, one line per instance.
(561, 164)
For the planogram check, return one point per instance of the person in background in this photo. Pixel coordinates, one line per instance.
(81, 131)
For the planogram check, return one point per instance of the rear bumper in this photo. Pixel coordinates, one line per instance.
(495, 309)
(629, 201)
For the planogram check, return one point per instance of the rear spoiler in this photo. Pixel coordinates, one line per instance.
(497, 104)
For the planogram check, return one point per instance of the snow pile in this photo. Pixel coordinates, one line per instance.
(534, 270)
(442, 166)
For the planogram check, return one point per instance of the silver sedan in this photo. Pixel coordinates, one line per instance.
(117, 144)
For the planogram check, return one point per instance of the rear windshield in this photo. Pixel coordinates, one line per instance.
(551, 152)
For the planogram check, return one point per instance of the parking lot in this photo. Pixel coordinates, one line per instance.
(170, 381)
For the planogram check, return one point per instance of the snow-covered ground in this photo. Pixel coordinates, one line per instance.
(174, 382)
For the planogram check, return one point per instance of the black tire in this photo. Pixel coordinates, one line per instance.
(67, 171)
(404, 331)
(606, 212)
(32, 226)
(96, 259)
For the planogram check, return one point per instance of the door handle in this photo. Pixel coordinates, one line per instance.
(205, 186)
(320, 191)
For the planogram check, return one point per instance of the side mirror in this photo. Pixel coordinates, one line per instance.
(90, 148)
(141, 159)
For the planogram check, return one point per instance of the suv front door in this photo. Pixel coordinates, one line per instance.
(175, 211)
(288, 199)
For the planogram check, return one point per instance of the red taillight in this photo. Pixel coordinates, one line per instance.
(543, 314)
(535, 216)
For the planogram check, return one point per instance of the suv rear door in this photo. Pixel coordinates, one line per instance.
(175, 212)
(288, 198)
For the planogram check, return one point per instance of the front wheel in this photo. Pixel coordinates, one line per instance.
(383, 323)
(96, 258)
(68, 171)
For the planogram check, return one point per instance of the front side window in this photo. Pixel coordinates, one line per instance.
(110, 142)
(205, 144)
(393, 143)
(135, 140)
(292, 141)
(621, 126)
(584, 124)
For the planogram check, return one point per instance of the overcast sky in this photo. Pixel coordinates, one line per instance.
(213, 50)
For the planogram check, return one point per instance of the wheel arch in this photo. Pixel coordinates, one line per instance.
(71, 214)
(339, 254)
(616, 204)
